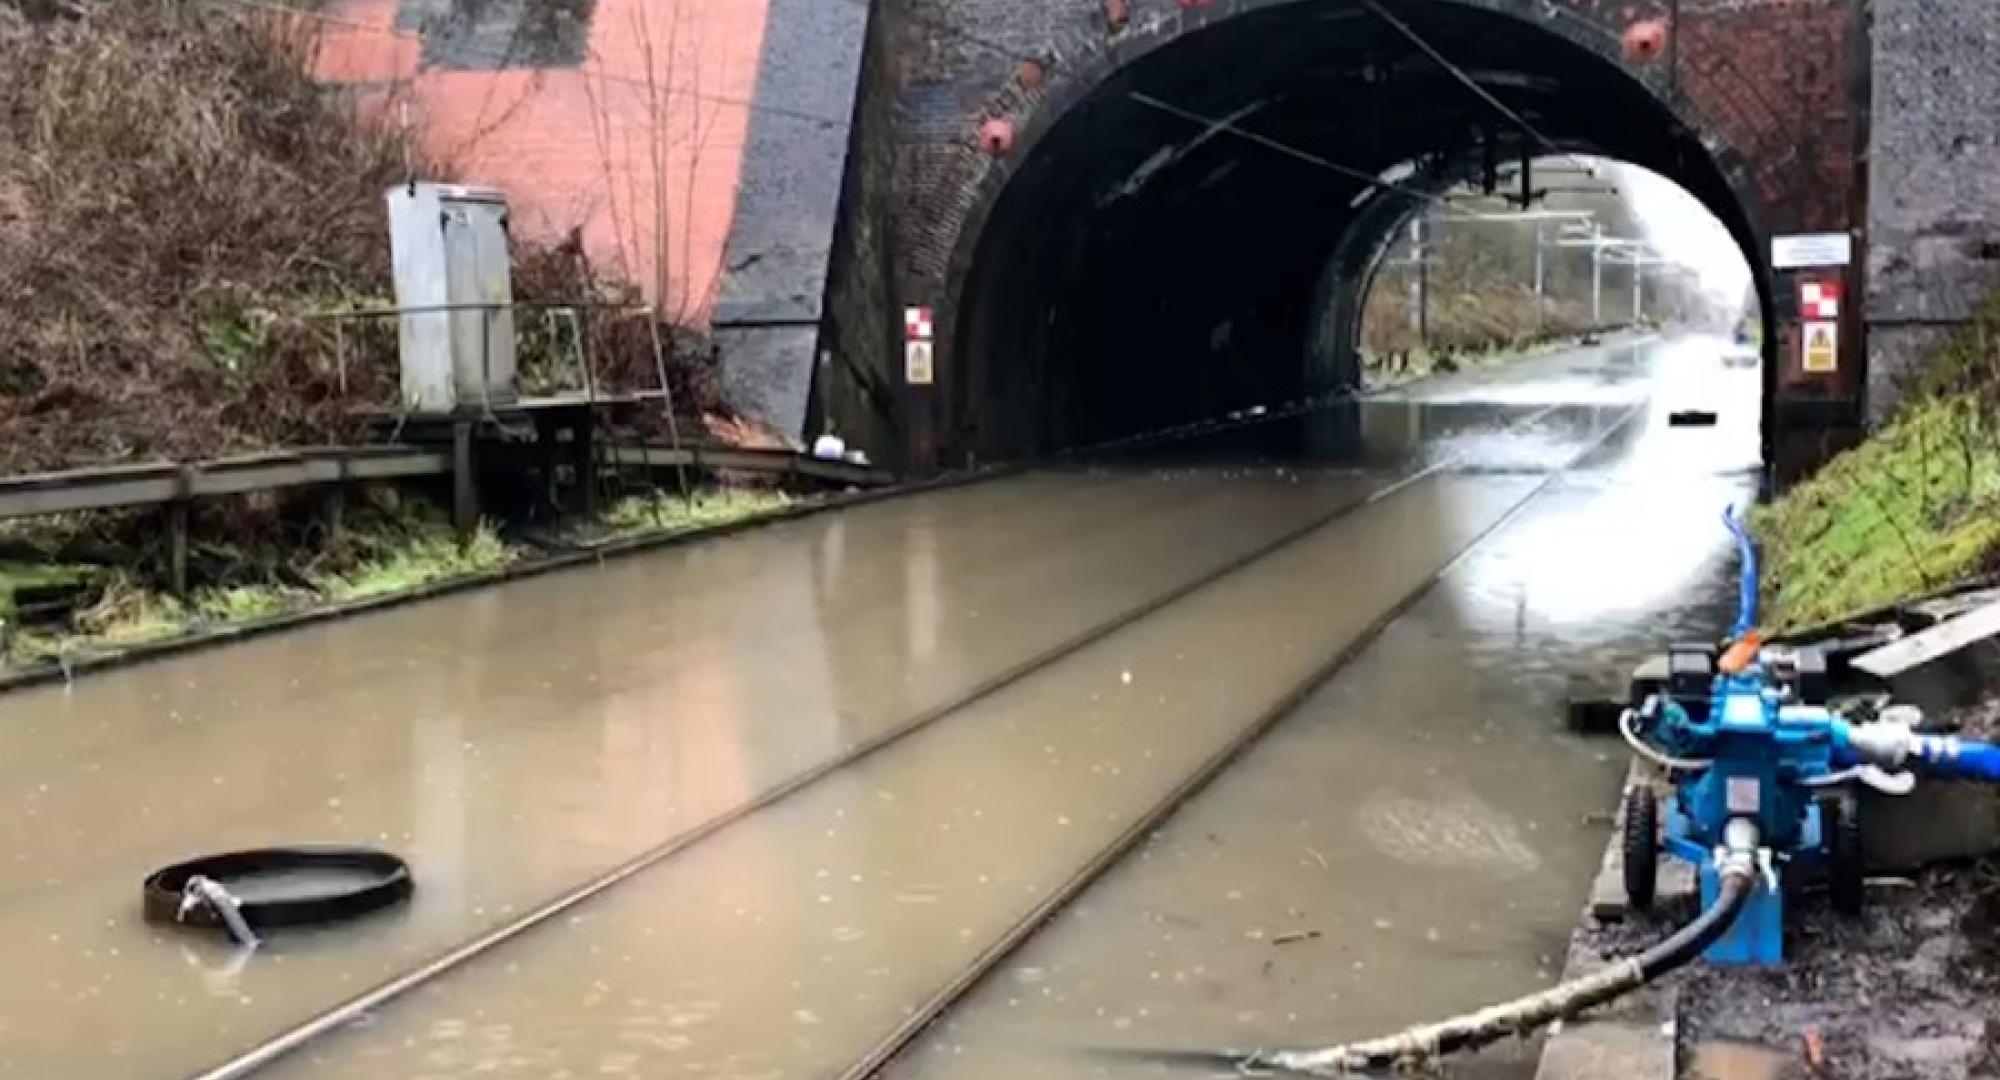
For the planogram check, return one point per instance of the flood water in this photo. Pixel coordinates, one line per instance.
(515, 741)
(1415, 841)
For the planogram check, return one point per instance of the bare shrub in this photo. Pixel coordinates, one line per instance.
(176, 187)
(177, 196)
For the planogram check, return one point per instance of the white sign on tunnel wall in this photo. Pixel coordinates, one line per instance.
(919, 368)
(1802, 250)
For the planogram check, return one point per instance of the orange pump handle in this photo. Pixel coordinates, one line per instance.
(1740, 654)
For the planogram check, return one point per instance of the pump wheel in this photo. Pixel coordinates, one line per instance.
(1641, 846)
(1846, 866)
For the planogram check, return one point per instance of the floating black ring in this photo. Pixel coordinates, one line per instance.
(380, 880)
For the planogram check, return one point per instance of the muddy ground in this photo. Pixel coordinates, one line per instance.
(1910, 989)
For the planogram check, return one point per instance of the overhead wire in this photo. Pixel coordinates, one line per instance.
(1276, 145)
(1472, 84)
(1226, 125)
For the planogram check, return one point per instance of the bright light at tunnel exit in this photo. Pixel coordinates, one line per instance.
(1682, 230)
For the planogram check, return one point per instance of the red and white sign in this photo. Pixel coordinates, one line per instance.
(1819, 301)
(918, 358)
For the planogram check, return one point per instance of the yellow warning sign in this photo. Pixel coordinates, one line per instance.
(1822, 347)
(917, 358)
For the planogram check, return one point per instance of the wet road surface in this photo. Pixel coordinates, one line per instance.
(514, 741)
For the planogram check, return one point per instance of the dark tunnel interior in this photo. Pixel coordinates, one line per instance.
(1143, 268)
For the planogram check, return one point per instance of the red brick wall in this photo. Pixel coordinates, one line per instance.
(640, 148)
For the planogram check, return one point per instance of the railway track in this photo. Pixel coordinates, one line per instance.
(884, 1052)
(371, 1002)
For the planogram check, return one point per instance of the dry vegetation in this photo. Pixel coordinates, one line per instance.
(176, 191)
(181, 206)
(1474, 318)
(177, 197)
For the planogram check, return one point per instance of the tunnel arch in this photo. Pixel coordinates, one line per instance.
(1104, 269)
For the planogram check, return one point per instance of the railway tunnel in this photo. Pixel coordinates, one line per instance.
(1196, 233)
(849, 791)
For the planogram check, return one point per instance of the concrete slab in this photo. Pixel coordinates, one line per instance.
(1633, 1038)
(1635, 1041)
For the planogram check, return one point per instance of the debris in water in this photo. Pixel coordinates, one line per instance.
(1295, 937)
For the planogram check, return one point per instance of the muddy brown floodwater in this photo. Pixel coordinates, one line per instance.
(1414, 841)
(515, 741)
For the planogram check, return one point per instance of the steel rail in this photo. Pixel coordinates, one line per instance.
(885, 1051)
(292, 1039)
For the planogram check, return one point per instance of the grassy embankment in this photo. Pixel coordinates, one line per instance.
(1914, 509)
(396, 544)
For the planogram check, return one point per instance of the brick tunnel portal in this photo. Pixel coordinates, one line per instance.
(1194, 233)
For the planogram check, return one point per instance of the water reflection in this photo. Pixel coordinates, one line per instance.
(877, 885)
(516, 741)
(1417, 838)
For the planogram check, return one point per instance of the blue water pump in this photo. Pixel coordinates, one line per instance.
(1745, 735)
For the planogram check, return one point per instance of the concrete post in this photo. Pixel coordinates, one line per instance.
(1419, 280)
(1540, 291)
(1597, 277)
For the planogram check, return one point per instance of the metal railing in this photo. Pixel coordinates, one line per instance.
(570, 311)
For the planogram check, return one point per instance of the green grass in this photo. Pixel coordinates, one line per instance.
(393, 544)
(1914, 509)
(708, 508)
(17, 577)
(427, 554)
(125, 613)
(247, 603)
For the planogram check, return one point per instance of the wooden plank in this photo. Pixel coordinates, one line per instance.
(1924, 646)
